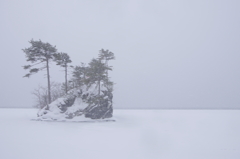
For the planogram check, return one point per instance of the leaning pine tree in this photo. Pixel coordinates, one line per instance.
(63, 59)
(39, 53)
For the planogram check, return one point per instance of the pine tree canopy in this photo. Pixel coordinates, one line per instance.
(106, 55)
(38, 52)
(97, 71)
(62, 59)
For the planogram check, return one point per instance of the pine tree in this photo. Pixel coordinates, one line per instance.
(97, 73)
(100, 104)
(105, 56)
(79, 75)
(39, 53)
(63, 60)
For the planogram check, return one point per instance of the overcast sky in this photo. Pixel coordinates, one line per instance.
(169, 53)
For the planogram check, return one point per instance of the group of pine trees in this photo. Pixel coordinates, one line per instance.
(40, 54)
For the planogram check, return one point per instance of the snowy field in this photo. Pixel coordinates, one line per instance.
(136, 134)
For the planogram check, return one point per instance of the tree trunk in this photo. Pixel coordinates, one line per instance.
(107, 72)
(49, 86)
(99, 88)
(66, 86)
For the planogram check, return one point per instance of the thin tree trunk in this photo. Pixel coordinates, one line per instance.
(107, 72)
(49, 86)
(98, 88)
(99, 92)
(66, 86)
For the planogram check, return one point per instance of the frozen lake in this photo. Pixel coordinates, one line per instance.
(136, 134)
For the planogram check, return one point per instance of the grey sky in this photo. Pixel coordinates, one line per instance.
(169, 54)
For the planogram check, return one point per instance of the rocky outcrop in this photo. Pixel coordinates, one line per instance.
(84, 102)
(100, 109)
(68, 102)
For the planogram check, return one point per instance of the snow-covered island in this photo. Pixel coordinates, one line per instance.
(79, 105)
(87, 95)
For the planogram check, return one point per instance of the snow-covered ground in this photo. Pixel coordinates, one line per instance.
(136, 134)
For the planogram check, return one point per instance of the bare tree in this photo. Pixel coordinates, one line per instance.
(41, 94)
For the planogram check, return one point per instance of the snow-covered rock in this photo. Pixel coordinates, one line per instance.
(102, 109)
(85, 102)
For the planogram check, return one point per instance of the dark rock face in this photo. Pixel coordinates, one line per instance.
(67, 103)
(98, 112)
(100, 109)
